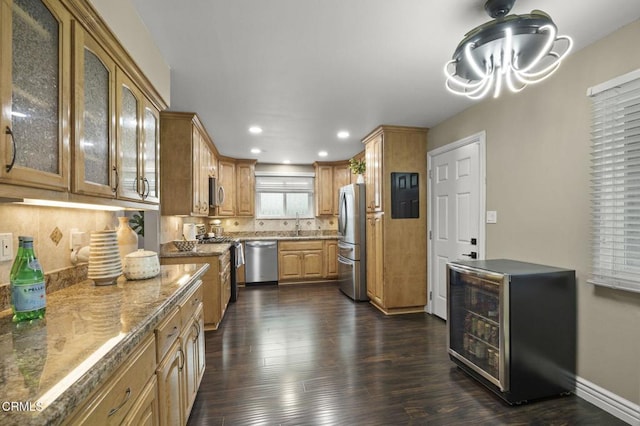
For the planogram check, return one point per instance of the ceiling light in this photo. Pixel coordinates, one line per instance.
(255, 130)
(511, 50)
(256, 150)
(343, 134)
(323, 153)
(286, 162)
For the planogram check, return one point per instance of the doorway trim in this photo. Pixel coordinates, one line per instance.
(480, 139)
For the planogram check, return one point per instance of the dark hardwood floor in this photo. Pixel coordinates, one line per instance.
(308, 355)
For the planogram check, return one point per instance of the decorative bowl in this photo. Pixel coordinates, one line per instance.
(141, 265)
(185, 245)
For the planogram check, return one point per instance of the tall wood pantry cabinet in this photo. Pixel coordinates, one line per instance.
(396, 248)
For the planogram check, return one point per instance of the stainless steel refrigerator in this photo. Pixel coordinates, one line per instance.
(352, 272)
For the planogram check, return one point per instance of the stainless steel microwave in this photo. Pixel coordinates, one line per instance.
(216, 193)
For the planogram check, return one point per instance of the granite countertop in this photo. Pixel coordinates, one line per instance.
(277, 237)
(51, 366)
(201, 250)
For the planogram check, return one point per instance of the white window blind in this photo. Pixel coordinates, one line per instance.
(284, 196)
(615, 194)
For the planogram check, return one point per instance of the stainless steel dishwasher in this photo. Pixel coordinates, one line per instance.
(261, 262)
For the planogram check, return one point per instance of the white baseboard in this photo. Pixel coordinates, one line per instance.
(608, 401)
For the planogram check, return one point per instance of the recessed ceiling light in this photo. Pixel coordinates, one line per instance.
(286, 162)
(255, 130)
(256, 150)
(343, 134)
(323, 153)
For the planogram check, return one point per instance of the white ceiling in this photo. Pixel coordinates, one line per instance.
(305, 69)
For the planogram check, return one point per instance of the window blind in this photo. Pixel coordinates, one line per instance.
(615, 183)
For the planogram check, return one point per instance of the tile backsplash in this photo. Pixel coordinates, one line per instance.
(50, 227)
(171, 226)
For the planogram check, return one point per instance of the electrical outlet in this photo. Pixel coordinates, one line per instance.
(6, 247)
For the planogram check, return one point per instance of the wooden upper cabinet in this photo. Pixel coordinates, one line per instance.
(341, 177)
(149, 163)
(35, 93)
(324, 189)
(94, 151)
(227, 181)
(245, 186)
(373, 175)
(186, 152)
(137, 143)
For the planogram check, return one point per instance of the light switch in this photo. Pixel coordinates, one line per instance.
(492, 216)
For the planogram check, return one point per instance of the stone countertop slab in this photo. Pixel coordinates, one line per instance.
(201, 250)
(51, 366)
(288, 237)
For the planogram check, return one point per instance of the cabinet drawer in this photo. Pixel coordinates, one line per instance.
(190, 304)
(116, 397)
(300, 245)
(167, 333)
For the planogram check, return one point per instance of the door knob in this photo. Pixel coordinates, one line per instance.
(472, 255)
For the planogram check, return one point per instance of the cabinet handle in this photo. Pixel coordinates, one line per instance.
(181, 352)
(197, 327)
(221, 195)
(13, 143)
(127, 395)
(173, 332)
(146, 185)
(136, 186)
(115, 189)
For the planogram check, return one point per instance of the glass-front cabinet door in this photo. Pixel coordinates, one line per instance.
(129, 137)
(94, 116)
(138, 147)
(35, 93)
(476, 322)
(151, 153)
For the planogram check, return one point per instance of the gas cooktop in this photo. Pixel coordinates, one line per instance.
(218, 240)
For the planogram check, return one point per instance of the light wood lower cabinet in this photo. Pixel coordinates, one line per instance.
(159, 380)
(331, 258)
(307, 260)
(216, 285)
(375, 258)
(145, 412)
(181, 367)
(125, 392)
(171, 387)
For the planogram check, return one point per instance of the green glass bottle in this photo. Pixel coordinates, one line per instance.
(28, 292)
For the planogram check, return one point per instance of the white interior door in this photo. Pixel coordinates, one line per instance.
(456, 211)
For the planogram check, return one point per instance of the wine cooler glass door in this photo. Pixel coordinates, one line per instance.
(476, 322)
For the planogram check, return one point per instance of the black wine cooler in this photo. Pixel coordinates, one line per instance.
(512, 326)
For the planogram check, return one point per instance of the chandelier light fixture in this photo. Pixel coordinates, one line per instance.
(510, 50)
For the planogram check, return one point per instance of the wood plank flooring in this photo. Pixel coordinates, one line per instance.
(308, 355)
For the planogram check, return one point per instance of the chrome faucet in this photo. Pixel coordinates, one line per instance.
(297, 224)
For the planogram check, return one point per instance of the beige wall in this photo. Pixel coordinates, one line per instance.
(123, 20)
(537, 153)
